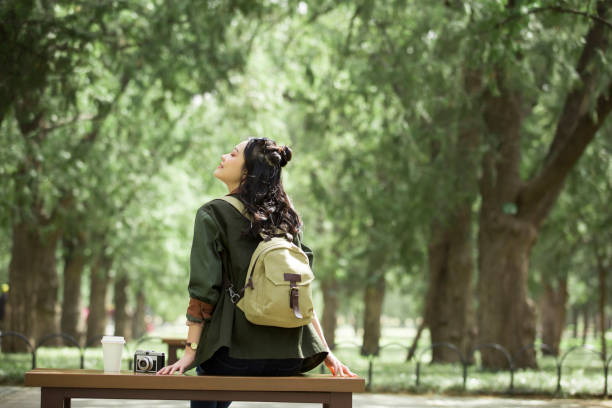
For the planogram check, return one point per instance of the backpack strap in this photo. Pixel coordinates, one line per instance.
(237, 204)
(234, 295)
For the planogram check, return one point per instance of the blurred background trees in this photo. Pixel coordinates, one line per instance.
(452, 157)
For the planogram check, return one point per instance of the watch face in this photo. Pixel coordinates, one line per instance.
(193, 345)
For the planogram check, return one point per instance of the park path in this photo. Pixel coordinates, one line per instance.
(24, 397)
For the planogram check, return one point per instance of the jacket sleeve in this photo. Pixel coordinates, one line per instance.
(205, 274)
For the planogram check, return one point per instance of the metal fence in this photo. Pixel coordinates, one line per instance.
(71, 342)
(418, 356)
(464, 362)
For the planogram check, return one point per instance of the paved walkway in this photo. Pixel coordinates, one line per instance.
(25, 397)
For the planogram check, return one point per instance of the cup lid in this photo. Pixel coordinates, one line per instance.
(113, 339)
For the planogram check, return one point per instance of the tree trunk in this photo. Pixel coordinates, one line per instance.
(585, 325)
(415, 341)
(329, 286)
(449, 310)
(603, 287)
(506, 315)
(138, 322)
(32, 300)
(122, 314)
(374, 295)
(74, 262)
(99, 281)
(553, 310)
(574, 322)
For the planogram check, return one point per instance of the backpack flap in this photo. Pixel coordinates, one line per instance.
(280, 262)
(277, 288)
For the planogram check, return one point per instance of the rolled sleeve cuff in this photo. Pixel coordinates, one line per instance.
(198, 312)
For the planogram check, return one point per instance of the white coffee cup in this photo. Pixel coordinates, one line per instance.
(112, 349)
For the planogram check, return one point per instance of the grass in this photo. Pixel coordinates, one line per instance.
(582, 371)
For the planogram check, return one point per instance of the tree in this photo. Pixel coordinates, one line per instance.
(513, 208)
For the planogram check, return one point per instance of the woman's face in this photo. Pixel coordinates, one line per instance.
(231, 169)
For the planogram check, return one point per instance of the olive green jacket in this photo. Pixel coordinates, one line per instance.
(218, 244)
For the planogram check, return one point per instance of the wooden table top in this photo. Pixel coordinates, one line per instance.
(75, 378)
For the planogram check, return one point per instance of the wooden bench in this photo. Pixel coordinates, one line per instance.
(174, 345)
(58, 386)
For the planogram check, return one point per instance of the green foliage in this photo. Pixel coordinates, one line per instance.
(98, 102)
(113, 117)
(578, 231)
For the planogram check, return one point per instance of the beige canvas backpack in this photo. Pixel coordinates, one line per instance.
(277, 288)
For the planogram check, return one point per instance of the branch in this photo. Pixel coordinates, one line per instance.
(558, 9)
(575, 129)
(90, 137)
(58, 125)
(347, 43)
(540, 193)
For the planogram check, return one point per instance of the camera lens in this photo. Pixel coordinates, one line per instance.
(144, 363)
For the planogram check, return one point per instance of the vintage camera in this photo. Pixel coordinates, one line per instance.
(148, 361)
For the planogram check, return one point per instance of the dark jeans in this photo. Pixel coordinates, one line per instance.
(222, 364)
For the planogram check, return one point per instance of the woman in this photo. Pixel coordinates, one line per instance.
(225, 342)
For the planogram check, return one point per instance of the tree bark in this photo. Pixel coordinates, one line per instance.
(329, 286)
(32, 300)
(138, 322)
(74, 263)
(122, 314)
(374, 295)
(99, 281)
(506, 315)
(553, 312)
(449, 313)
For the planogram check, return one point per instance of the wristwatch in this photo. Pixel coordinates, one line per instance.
(193, 346)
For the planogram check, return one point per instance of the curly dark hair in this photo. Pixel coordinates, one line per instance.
(262, 191)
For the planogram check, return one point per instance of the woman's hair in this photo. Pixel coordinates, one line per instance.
(262, 190)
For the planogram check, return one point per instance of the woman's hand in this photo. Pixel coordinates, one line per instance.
(336, 367)
(180, 366)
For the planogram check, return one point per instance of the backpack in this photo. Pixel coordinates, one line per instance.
(277, 288)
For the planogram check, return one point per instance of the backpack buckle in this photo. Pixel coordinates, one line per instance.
(234, 296)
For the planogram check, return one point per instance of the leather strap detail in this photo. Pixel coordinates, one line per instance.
(293, 277)
(294, 293)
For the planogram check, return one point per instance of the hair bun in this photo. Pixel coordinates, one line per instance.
(286, 154)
